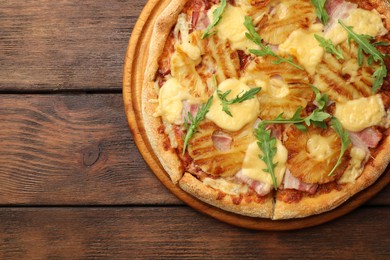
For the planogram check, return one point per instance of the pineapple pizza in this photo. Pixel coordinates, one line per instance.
(270, 108)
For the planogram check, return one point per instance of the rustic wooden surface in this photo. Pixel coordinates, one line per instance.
(72, 182)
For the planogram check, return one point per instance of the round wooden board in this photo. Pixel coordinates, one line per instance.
(134, 67)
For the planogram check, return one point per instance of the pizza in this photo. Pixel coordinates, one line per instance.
(274, 109)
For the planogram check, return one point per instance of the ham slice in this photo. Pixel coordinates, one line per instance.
(188, 108)
(291, 182)
(367, 138)
(337, 10)
(259, 187)
(222, 141)
(199, 19)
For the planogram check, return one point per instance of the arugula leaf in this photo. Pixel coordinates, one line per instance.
(265, 50)
(322, 99)
(321, 11)
(238, 99)
(329, 47)
(267, 145)
(345, 140)
(317, 117)
(217, 15)
(364, 44)
(193, 123)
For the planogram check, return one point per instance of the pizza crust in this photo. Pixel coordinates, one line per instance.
(168, 158)
(324, 202)
(209, 195)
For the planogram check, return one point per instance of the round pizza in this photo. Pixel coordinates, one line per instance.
(270, 108)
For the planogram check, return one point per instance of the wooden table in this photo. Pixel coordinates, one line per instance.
(72, 182)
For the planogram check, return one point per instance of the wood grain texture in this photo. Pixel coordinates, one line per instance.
(71, 149)
(180, 233)
(64, 45)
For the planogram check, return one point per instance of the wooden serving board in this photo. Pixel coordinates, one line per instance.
(134, 67)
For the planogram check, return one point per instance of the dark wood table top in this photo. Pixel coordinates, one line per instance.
(72, 182)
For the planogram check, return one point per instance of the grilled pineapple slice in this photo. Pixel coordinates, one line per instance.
(285, 17)
(344, 80)
(214, 159)
(313, 154)
(284, 87)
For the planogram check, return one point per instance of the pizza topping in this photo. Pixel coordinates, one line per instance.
(367, 138)
(355, 167)
(222, 141)
(358, 114)
(261, 188)
(193, 122)
(238, 99)
(217, 15)
(329, 47)
(345, 141)
(291, 182)
(242, 113)
(265, 50)
(321, 11)
(303, 45)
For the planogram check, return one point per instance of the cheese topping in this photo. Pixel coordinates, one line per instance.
(362, 21)
(253, 166)
(192, 51)
(302, 44)
(319, 148)
(358, 114)
(243, 113)
(231, 27)
(278, 88)
(355, 165)
(170, 102)
(225, 186)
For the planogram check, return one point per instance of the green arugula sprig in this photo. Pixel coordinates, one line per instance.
(193, 123)
(217, 15)
(238, 99)
(322, 99)
(265, 50)
(345, 140)
(321, 11)
(364, 45)
(267, 145)
(329, 47)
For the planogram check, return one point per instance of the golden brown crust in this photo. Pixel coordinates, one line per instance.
(324, 202)
(168, 158)
(209, 195)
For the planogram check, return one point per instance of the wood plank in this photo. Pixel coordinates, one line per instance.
(180, 233)
(72, 149)
(64, 45)
(76, 150)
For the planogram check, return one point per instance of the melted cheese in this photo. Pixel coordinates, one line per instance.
(302, 44)
(226, 186)
(243, 113)
(358, 114)
(231, 27)
(192, 51)
(278, 88)
(362, 21)
(170, 102)
(253, 166)
(355, 165)
(319, 147)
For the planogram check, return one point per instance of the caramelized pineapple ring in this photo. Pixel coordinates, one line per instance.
(219, 152)
(313, 154)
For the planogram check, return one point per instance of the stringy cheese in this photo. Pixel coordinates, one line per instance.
(355, 165)
(362, 21)
(243, 113)
(253, 166)
(225, 186)
(231, 27)
(358, 114)
(319, 147)
(302, 44)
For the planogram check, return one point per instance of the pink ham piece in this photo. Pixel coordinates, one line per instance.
(199, 19)
(291, 182)
(259, 187)
(337, 10)
(367, 138)
(188, 108)
(222, 141)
